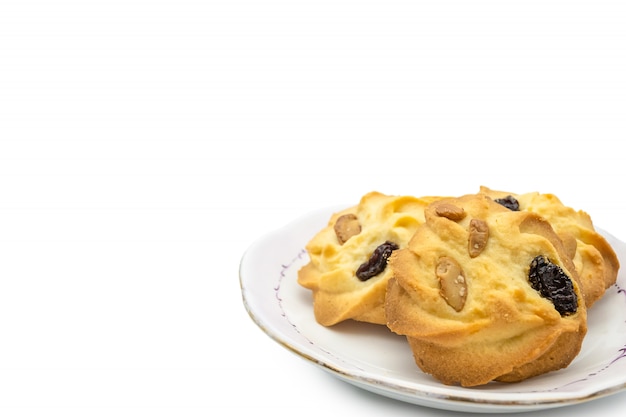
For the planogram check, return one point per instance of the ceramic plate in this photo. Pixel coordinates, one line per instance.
(373, 358)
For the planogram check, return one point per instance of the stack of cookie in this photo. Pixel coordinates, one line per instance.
(486, 286)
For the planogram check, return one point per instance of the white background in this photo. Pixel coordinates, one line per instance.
(144, 145)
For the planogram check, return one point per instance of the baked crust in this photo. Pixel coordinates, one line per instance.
(595, 260)
(505, 330)
(338, 294)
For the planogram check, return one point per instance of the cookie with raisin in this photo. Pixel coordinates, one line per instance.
(596, 261)
(483, 293)
(347, 270)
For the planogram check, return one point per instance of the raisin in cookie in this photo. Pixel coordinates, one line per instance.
(347, 272)
(484, 293)
(595, 260)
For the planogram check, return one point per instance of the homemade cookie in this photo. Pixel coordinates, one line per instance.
(484, 293)
(347, 272)
(594, 258)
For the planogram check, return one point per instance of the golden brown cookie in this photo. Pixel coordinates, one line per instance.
(347, 271)
(595, 260)
(475, 293)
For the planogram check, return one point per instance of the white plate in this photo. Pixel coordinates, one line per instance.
(371, 357)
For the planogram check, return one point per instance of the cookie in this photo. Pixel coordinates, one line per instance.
(483, 293)
(347, 271)
(594, 258)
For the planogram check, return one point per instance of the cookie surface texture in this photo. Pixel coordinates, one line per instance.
(462, 296)
(596, 261)
(349, 241)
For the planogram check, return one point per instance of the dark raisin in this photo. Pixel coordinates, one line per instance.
(509, 202)
(377, 262)
(552, 283)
